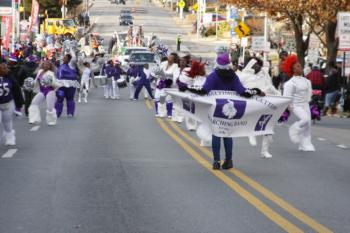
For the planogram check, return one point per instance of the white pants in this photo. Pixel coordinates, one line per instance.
(84, 87)
(50, 100)
(300, 131)
(111, 89)
(131, 89)
(6, 114)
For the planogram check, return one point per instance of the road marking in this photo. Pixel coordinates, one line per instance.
(35, 128)
(321, 139)
(245, 194)
(259, 188)
(148, 104)
(9, 154)
(342, 146)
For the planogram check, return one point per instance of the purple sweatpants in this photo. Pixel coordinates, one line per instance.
(68, 94)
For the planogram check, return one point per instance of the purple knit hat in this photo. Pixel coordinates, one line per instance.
(223, 61)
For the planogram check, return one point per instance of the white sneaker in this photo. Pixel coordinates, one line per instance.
(266, 155)
(85, 100)
(79, 100)
(10, 138)
(157, 115)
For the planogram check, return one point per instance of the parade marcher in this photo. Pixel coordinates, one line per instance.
(170, 69)
(252, 76)
(118, 71)
(45, 86)
(10, 97)
(109, 89)
(26, 76)
(85, 82)
(131, 77)
(299, 88)
(224, 78)
(144, 75)
(67, 74)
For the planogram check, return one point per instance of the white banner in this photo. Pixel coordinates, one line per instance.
(229, 115)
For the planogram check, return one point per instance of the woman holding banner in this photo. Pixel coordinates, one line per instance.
(223, 78)
(300, 89)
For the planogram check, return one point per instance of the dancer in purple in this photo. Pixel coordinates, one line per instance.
(67, 77)
(45, 87)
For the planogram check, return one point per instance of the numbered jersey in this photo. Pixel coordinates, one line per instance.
(6, 94)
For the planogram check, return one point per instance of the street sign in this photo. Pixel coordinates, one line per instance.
(6, 8)
(290, 44)
(344, 31)
(258, 43)
(255, 24)
(242, 29)
(182, 4)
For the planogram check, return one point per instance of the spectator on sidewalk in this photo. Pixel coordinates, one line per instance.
(332, 88)
(316, 78)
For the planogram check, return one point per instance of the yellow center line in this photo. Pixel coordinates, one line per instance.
(259, 188)
(148, 104)
(245, 194)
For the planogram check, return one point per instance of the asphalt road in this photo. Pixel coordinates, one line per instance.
(114, 168)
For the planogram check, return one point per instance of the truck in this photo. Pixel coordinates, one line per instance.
(59, 26)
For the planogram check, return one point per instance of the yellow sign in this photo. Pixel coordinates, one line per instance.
(182, 4)
(242, 29)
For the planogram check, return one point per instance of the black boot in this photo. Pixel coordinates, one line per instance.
(216, 165)
(227, 164)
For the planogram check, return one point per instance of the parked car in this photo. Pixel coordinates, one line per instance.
(125, 53)
(126, 20)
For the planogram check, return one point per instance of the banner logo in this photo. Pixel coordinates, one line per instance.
(188, 105)
(262, 122)
(229, 108)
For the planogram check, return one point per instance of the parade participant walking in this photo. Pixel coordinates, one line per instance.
(67, 74)
(26, 76)
(131, 77)
(10, 93)
(299, 88)
(109, 90)
(144, 75)
(170, 69)
(224, 78)
(45, 86)
(85, 82)
(253, 75)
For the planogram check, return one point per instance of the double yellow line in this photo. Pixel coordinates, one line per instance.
(244, 193)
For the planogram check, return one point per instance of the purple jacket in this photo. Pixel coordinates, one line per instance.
(214, 82)
(66, 73)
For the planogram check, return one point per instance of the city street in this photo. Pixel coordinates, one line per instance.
(115, 168)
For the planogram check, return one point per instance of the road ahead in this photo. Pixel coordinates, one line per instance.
(114, 168)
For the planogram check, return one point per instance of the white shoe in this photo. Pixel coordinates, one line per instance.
(157, 115)
(79, 100)
(10, 138)
(51, 117)
(266, 155)
(106, 97)
(113, 98)
(252, 140)
(34, 114)
(85, 100)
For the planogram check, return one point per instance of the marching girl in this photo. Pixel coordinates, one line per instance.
(10, 96)
(67, 75)
(45, 85)
(170, 70)
(131, 77)
(252, 76)
(223, 78)
(300, 89)
(109, 89)
(85, 82)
